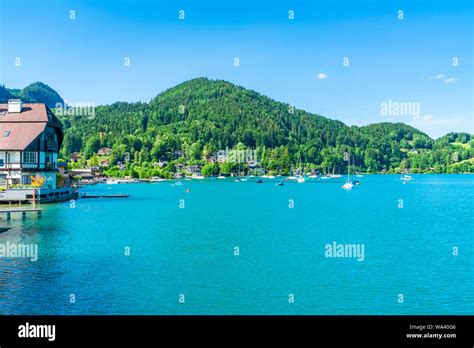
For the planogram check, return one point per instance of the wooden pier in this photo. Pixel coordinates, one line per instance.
(23, 212)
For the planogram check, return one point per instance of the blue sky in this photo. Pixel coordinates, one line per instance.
(407, 60)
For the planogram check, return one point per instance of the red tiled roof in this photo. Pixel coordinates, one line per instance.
(24, 127)
(21, 134)
(29, 113)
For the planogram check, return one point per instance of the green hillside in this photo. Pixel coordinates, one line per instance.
(188, 123)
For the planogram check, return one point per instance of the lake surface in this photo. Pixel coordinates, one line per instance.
(408, 232)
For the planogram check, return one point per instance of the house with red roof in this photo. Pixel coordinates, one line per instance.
(30, 139)
(104, 151)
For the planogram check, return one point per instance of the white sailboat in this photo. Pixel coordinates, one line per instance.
(348, 185)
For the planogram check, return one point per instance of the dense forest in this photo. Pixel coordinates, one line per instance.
(190, 122)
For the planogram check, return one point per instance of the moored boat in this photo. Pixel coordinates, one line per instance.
(348, 186)
(406, 177)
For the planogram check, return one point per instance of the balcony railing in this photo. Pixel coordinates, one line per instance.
(29, 166)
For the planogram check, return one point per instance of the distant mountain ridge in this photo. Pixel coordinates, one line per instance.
(37, 92)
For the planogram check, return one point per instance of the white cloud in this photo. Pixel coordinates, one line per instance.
(322, 76)
(428, 117)
(451, 79)
(443, 77)
(438, 77)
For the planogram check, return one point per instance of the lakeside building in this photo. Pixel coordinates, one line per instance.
(30, 139)
(193, 169)
(104, 151)
(87, 173)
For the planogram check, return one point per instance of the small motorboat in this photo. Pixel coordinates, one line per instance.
(348, 186)
(406, 178)
(4, 229)
(259, 181)
(280, 183)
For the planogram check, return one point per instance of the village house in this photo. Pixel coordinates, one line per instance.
(104, 151)
(193, 169)
(30, 139)
(121, 165)
(86, 173)
(160, 164)
(221, 156)
(218, 157)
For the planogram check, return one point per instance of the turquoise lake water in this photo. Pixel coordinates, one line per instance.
(191, 250)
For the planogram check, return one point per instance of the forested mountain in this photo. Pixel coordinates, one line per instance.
(188, 123)
(37, 92)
